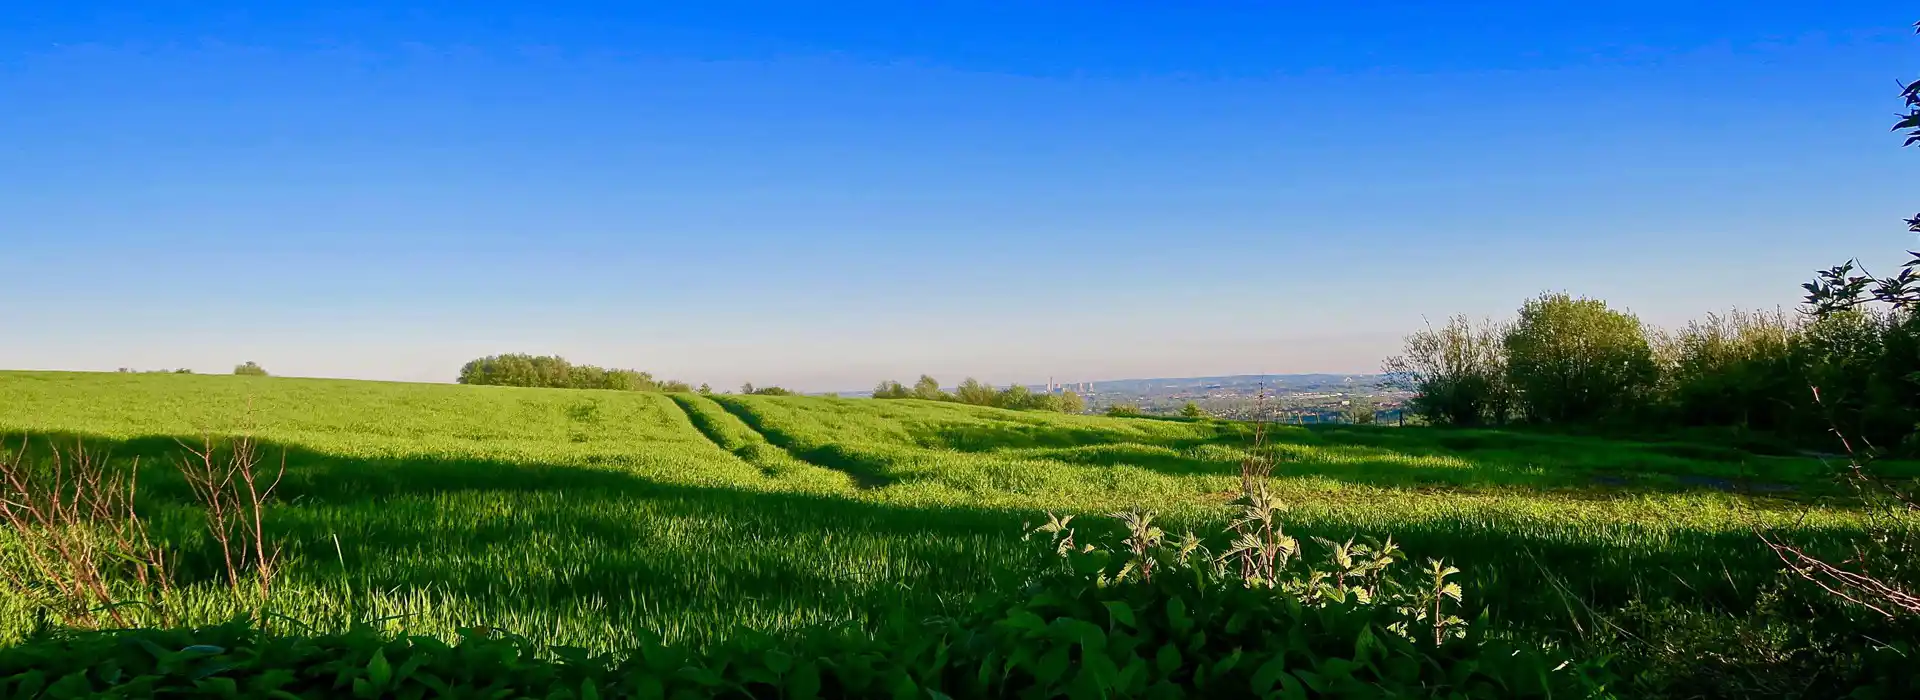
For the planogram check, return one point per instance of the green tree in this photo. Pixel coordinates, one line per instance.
(705, 390)
(1457, 373)
(1016, 397)
(1895, 404)
(250, 369)
(1840, 287)
(891, 390)
(1735, 369)
(588, 377)
(1124, 410)
(1044, 402)
(1838, 354)
(1071, 402)
(1360, 411)
(929, 388)
(972, 391)
(1193, 410)
(747, 388)
(516, 369)
(1575, 360)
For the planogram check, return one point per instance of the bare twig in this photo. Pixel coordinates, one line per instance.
(78, 535)
(1890, 512)
(234, 490)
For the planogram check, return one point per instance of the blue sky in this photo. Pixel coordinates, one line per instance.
(824, 195)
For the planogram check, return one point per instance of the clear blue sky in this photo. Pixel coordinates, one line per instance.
(822, 195)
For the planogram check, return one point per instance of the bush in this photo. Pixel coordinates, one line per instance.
(1458, 373)
(555, 372)
(971, 391)
(1577, 361)
(1071, 402)
(977, 393)
(1124, 410)
(250, 369)
(1733, 369)
(1159, 616)
(1838, 355)
(929, 388)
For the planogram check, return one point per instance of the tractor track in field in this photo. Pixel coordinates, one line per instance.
(712, 433)
(863, 474)
(750, 452)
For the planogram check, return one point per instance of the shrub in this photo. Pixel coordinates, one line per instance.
(1071, 402)
(557, 373)
(1735, 369)
(1192, 410)
(1837, 355)
(1124, 410)
(1159, 616)
(973, 392)
(1360, 411)
(1577, 361)
(929, 388)
(977, 393)
(1458, 373)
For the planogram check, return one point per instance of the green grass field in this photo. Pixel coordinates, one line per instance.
(580, 517)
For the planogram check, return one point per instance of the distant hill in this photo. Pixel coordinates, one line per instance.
(1238, 383)
(1277, 382)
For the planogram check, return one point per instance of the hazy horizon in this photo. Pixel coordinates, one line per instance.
(825, 197)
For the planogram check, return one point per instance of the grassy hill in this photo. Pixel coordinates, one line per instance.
(579, 517)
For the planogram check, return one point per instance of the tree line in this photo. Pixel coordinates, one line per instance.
(1573, 361)
(1847, 361)
(974, 392)
(555, 372)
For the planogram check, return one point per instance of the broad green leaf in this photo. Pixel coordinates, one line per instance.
(72, 685)
(1121, 613)
(1052, 666)
(26, 685)
(1167, 660)
(1269, 674)
(778, 661)
(379, 672)
(1177, 616)
(804, 682)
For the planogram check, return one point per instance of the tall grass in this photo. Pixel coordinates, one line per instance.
(583, 517)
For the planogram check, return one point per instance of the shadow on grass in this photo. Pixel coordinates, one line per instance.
(865, 473)
(1391, 457)
(542, 537)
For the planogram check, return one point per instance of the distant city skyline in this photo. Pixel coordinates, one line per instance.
(823, 196)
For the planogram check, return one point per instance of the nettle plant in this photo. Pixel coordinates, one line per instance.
(1155, 615)
(1263, 557)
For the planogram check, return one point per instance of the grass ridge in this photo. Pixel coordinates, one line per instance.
(704, 422)
(863, 474)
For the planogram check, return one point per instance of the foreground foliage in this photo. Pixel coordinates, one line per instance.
(1150, 619)
(598, 519)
